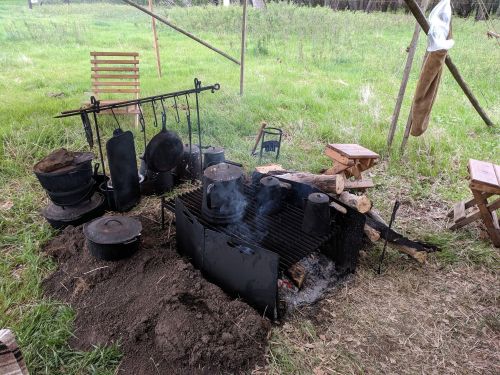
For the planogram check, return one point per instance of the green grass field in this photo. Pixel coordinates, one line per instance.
(321, 76)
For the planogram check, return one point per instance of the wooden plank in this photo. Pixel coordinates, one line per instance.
(484, 188)
(482, 172)
(114, 69)
(365, 183)
(469, 204)
(114, 54)
(337, 157)
(97, 62)
(487, 218)
(114, 76)
(115, 83)
(459, 211)
(117, 91)
(353, 150)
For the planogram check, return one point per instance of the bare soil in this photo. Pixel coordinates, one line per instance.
(165, 316)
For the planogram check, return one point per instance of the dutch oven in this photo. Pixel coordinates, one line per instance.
(73, 197)
(74, 172)
(60, 217)
(113, 237)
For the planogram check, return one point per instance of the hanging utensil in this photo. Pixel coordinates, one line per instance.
(153, 104)
(87, 127)
(164, 151)
(177, 118)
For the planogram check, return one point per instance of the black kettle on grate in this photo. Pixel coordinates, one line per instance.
(223, 198)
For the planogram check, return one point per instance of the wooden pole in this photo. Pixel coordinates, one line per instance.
(186, 33)
(30, 5)
(243, 45)
(419, 15)
(404, 81)
(155, 39)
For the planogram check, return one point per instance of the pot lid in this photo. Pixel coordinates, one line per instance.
(223, 172)
(269, 181)
(318, 198)
(214, 150)
(72, 213)
(110, 230)
(61, 160)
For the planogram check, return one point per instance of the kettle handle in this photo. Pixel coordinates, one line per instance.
(210, 187)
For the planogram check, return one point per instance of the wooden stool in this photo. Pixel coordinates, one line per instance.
(484, 184)
(351, 159)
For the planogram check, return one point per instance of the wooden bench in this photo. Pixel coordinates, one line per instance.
(116, 73)
(351, 159)
(484, 184)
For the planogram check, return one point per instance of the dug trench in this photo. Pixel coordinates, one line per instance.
(161, 311)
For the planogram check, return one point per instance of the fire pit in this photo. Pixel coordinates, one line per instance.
(247, 257)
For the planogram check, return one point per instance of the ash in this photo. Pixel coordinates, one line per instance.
(321, 276)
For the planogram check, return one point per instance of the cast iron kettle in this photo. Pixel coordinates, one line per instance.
(164, 151)
(223, 199)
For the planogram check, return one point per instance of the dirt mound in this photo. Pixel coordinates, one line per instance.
(165, 315)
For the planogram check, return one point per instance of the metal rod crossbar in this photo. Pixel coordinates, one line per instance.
(96, 107)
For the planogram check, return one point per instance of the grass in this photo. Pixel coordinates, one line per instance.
(321, 76)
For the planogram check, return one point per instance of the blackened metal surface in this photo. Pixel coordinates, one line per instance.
(280, 233)
(123, 169)
(190, 234)
(245, 269)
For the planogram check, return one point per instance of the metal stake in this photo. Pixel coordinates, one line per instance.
(393, 217)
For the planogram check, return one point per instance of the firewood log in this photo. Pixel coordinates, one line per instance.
(326, 183)
(360, 202)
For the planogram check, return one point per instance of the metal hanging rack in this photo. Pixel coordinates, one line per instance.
(96, 107)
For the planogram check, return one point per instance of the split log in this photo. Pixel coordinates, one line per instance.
(297, 274)
(268, 168)
(362, 184)
(360, 202)
(371, 233)
(416, 249)
(326, 183)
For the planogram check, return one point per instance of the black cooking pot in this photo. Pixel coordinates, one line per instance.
(68, 178)
(269, 196)
(113, 237)
(223, 198)
(316, 220)
(189, 167)
(161, 182)
(212, 156)
(72, 197)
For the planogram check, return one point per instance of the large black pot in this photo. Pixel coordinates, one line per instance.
(69, 178)
(113, 237)
(72, 197)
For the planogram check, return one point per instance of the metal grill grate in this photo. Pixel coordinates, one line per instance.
(280, 233)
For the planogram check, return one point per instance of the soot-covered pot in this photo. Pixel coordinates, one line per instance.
(113, 237)
(223, 198)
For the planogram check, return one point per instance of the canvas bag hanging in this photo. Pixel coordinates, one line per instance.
(438, 42)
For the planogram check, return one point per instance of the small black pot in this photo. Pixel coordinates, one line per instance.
(72, 197)
(316, 220)
(109, 195)
(115, 251)
(161, 181)
(71, 180)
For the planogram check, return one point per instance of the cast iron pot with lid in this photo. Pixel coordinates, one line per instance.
(113, 237)
(74, 171)
(223, 199)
